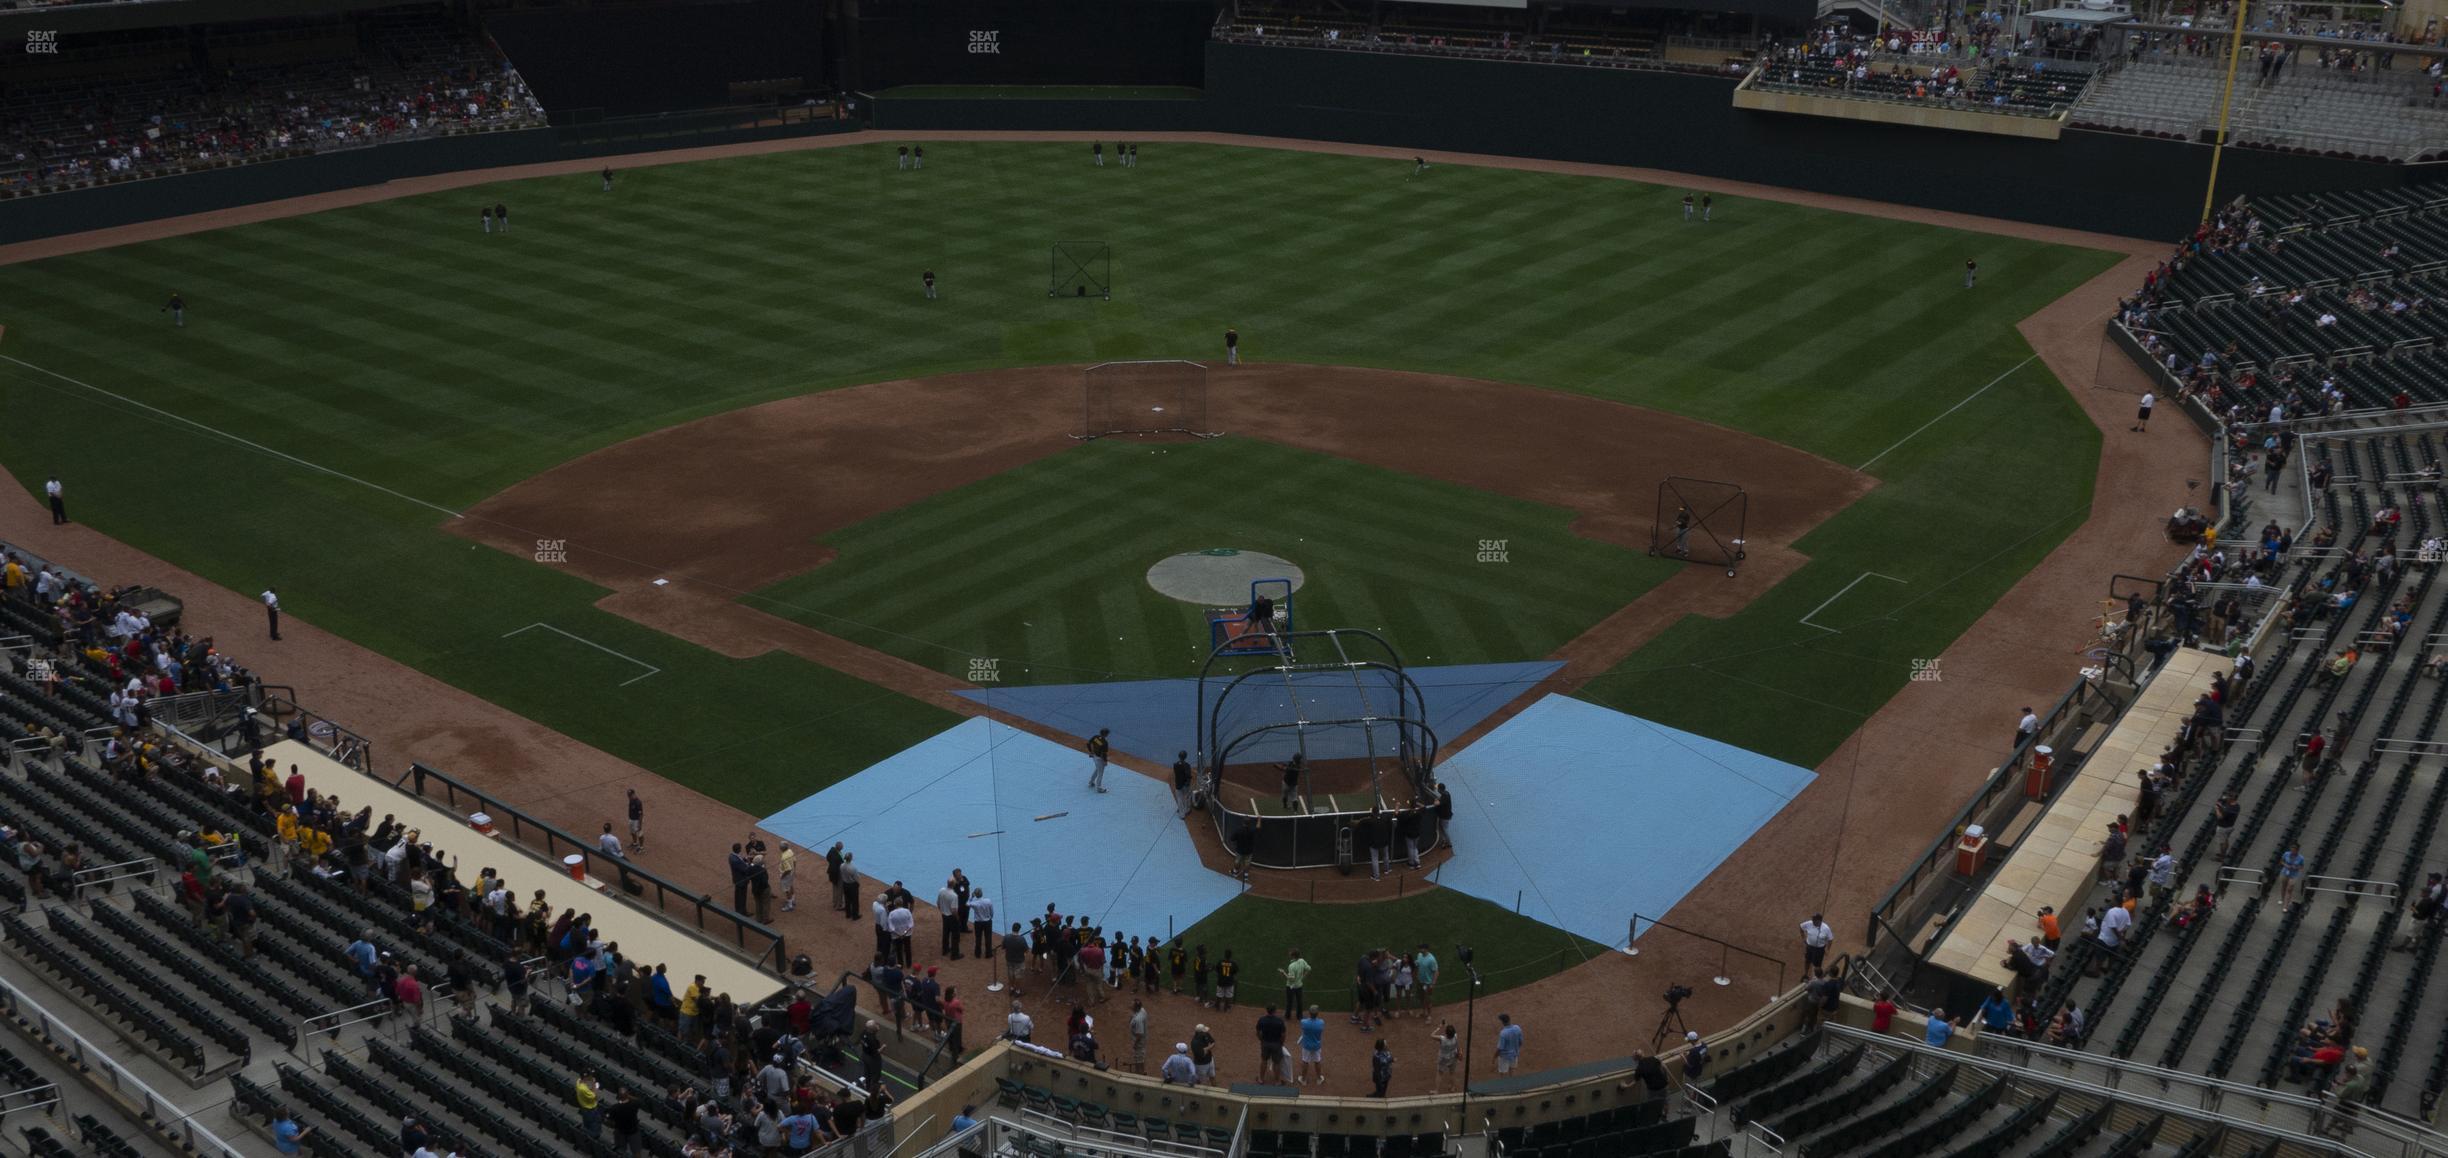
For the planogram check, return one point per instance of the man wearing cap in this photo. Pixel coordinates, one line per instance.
(1202, 1055)
(413, 1136)
(1695, 1056)
(1179, 1070)
(773, 1081)
(1100, 746)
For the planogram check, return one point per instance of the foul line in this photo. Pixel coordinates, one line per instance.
(651, 670)
(218, 433)
(1840, 592)
(1949, 410)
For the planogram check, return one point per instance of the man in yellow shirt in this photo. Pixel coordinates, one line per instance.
(692, 1003)
(12, 577)
(590, 1110)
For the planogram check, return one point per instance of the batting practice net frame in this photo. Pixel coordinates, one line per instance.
(1164, 396)
(1080, 269)
(1714, 533)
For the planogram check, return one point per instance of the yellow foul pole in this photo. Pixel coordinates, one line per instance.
(2235, 51)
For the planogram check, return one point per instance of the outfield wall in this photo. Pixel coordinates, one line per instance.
(23, 219)
(2109, 182)
(1686, 122)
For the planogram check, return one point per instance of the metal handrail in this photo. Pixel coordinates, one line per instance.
(2409, 1145)
(97, 1066)
(762, 944)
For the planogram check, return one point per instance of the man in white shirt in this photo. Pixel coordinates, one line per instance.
(900, 922)
(1816, 937)
(609, 842)
(271, 602)
(59, 500)
(2114, 924)
(948, 912)
(981, 924)
(2026, 727)
(1019, 1025)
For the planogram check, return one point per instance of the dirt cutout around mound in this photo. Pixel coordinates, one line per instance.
(1878, 802)
(682, 522)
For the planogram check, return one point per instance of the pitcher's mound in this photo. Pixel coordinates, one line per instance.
(1218, 576)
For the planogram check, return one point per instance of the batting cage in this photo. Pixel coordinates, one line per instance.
(1700, 521)
(1080, 269)
(1159, 397)
(1336, 707)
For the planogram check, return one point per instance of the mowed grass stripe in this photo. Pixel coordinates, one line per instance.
(399, 343)
(1078, 532)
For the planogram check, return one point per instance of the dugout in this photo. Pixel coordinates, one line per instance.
(1340, 700)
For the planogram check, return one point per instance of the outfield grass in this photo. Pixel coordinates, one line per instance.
(1042, 92)
(397, 345)
(1049, 563)
(1510, 950)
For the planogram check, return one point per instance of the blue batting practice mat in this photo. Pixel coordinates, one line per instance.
(1015, 813)
(1153, 719)
(1588, 815)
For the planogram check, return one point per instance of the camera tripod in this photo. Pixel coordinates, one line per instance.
(1671, 1023)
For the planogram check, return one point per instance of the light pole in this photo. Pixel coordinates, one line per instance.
(1470, 1031)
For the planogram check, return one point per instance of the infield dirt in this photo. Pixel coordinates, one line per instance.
(1877, 802)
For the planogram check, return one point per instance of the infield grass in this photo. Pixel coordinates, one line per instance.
(397, 344)
(1048, 563)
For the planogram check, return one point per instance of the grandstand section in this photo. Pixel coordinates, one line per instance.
(432, 622)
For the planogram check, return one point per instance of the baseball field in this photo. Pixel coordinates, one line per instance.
(725, 376)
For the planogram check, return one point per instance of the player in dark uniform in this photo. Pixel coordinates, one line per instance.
(1971, 272)
(1687, 206)
(607, 178)
(1232, 346)
(918, 157)
(1134, 156)
(904, 157)
(485, 214)
(177, 309)
(1419, 165)
(1706, 201)
(1096, 149)
(1183, 777)
(501, 216)
(1683, 522)
(929, 278)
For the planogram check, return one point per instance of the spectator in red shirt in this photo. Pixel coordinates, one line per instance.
(1882, 1013)
(410, 993)
(800, 1014)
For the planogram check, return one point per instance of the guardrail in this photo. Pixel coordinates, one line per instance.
(761, 944)
(99, 1069)
(2062, 723)
(320, 733)
(2290, 1116)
